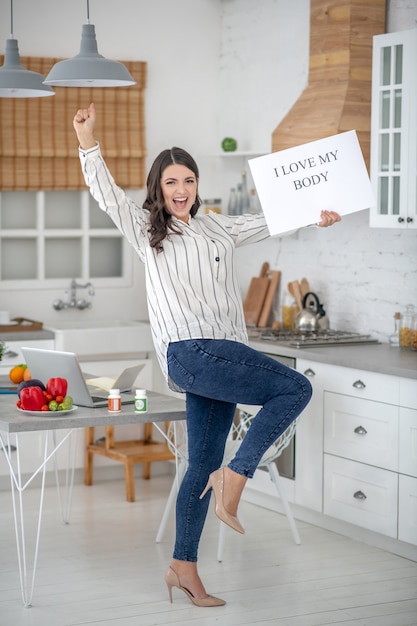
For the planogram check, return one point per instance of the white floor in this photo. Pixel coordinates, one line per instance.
(105, 568)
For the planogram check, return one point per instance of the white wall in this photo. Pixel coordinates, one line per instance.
(180, 42)
(216, 68)
(362, 275)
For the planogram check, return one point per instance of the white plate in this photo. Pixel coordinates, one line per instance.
(48, 413)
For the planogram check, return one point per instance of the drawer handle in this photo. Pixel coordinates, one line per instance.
(358, 384)
(359, 495)
(309, 372)
(360, 430)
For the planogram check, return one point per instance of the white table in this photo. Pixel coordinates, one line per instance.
(161, 408)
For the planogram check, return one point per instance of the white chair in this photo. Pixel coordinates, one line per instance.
(238, 431)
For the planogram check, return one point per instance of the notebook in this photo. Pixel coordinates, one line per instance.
(45, 364)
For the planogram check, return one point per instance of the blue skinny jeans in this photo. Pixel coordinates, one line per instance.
(217, 374)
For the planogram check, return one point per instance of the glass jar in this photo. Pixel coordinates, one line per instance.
(289, 312)
(213, 205)
(413, 338)
(394, 339)
(406, 324)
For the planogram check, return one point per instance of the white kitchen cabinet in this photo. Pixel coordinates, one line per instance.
(407, 498)
(407, 519)
(408, 392)
(394, 130)
(309, 440)
(370, 451)
(360, 482)
(408, 442)
(361, 494)
(361, 430)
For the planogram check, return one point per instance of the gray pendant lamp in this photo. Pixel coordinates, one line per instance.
(89, 68)
(15, 80)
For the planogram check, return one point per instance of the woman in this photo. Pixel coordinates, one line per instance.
(198, 327)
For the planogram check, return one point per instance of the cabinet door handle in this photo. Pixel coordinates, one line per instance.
(359, 495)
(400, 220)
(309, 372)
(358, 384)
(409, 220)
(360, 430)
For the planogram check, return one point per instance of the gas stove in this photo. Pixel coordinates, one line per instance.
(301, 339)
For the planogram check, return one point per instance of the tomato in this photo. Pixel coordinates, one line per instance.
(19, 404)
(48, 396)
(59, 399)
(44, 407)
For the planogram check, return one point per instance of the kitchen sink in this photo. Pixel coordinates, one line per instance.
(95, 337)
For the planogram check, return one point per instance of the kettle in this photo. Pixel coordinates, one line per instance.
(313, 318)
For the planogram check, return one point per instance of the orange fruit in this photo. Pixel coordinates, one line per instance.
(27, 375)
(17, 373)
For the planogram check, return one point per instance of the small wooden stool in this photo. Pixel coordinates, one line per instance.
(129, 452)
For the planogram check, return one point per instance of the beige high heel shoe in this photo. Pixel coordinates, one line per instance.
(172, 580)
(215, 481)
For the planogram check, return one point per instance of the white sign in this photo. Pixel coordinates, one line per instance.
(294, 185)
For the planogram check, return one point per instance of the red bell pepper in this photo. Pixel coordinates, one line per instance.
(57, 387)
(32, 398)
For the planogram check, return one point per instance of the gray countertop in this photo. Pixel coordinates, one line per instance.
(26, 335)
(380, 358)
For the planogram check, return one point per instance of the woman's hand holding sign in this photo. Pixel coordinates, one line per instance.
(328, 218)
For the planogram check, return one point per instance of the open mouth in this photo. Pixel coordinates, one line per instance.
(180, 202)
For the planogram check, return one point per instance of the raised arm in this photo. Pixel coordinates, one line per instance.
(84, 122)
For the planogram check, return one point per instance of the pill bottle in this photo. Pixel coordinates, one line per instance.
(114, 401)
(141, 401)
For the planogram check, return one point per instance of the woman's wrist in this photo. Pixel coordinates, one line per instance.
(87, 144)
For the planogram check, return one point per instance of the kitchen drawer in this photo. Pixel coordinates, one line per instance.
(407, 518)
(361, 430)
(408, 392)
(408, 442)
(363, 384)
(360, 494)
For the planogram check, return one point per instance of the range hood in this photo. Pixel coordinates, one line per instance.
(338, 95)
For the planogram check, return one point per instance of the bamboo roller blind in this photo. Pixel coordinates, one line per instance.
(38, 145)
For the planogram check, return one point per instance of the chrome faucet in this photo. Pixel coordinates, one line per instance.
(71, 301)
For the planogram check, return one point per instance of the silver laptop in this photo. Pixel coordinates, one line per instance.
(45, 364)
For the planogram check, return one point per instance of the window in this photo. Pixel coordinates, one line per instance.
(49, 237)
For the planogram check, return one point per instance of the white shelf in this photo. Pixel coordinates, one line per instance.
(240, 153)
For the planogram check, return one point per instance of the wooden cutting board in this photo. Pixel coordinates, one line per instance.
(274, 278)
(255, 296)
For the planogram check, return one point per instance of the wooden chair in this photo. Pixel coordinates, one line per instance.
(130, 452)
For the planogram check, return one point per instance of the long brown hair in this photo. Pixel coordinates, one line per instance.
(161, 220)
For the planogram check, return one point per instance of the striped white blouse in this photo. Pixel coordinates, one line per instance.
(192, 288)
